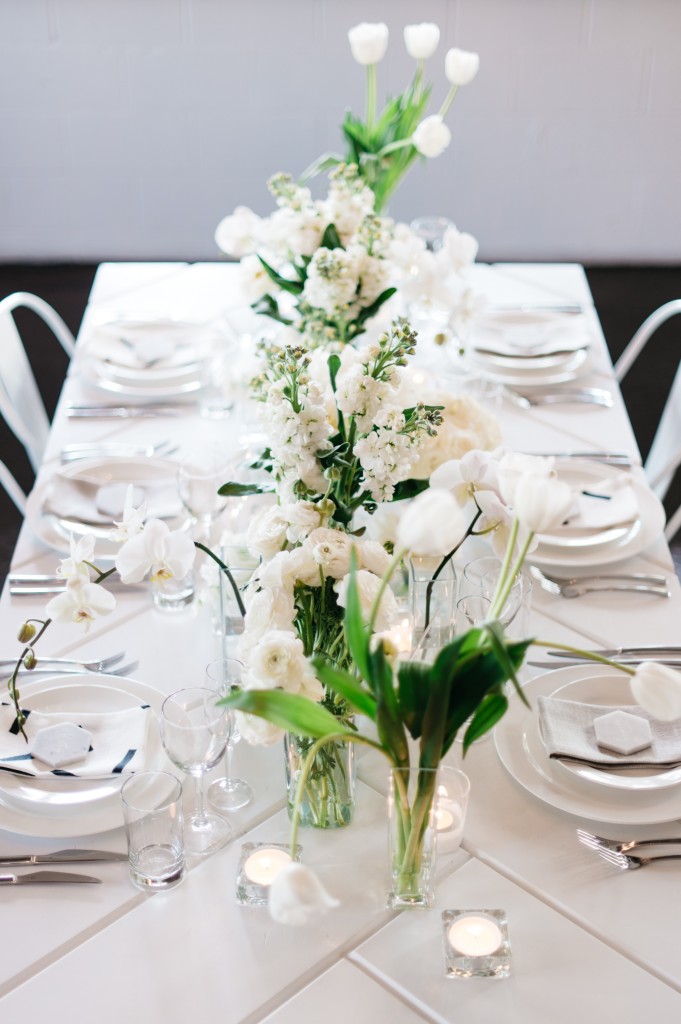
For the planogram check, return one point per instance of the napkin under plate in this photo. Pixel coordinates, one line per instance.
(79, 500)
(567, 732)
(118, 742)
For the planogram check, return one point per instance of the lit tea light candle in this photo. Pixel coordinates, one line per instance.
(263, 866)
(400, 635)
(475, 936)
(444, 820)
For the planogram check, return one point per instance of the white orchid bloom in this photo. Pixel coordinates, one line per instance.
(297, 896)
(542, 502)
(475, 471)
(157, 550)
(461, 66)
(432, 525)
(421, 40)
(132, 522)
(81, 602)
(81, 552)
(657, 688)
(368, 42)
(515, 465)
(431, 137)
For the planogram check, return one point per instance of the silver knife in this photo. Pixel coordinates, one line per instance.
(616, 458)
(51, 877)
(529, 355)
(124, 412)
(587, 396)
(63, 857)
(628, 660)
(645, 650)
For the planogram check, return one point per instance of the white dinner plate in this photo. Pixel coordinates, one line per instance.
(601, 689)
(65, 808)
(528, 373)
(55, 531)
(587, 475)
(522, 754)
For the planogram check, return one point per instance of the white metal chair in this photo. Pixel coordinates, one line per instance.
(20, 402)
(665, 454)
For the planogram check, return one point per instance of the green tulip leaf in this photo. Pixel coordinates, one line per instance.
(289, 711)
(342, 683)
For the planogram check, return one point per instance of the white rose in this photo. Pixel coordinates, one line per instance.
(657, 688)
(331, 549)
(421, 40)
(374, 557)
(368, 587)
(239, 233)
(368, 42)
(432, 525)
(297, 896)
(432, 136)
(277, 661)
(514, 465)
(267, 533)
(541, 502)
(461, 67)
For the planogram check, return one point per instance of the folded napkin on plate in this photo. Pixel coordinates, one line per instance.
(118, 743)
(603, 504)
(139, 346)
(100, 505)
(567, 732)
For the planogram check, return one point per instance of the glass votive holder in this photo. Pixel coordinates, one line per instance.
(476, 944)
(259, 865)
(173, 595)
(453, 790)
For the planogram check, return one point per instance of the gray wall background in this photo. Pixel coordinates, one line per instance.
(128, 128)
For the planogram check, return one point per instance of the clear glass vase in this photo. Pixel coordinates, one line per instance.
(432, 603)
(412, 836)
(329, 796)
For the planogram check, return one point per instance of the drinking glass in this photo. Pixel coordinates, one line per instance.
(152, 813)
(195, 732)
(227, 794)
(198, 483)
(479, 580)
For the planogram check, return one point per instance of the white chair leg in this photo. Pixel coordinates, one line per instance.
(647, 328)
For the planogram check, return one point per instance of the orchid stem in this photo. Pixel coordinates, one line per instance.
(224, 568)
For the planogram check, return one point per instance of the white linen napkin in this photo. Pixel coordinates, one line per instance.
(602, 505)
(153, 345)
(99, 505)
(118, 742)
(567, 732)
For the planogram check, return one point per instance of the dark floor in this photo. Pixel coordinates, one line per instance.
(624, 297)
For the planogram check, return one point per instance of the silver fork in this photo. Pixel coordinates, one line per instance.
(619, 846)
(627, 862)
(562, 586)
(55, 664)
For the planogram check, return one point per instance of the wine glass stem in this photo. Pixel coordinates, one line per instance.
(228, 761)
(200, 798)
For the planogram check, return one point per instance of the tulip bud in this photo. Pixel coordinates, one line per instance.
(421, 40)
(30, 660)
(26, 633)
(461, 67)
(432, 136)
(542, 502)
(368, 42)
(657, 688)
(297, 895)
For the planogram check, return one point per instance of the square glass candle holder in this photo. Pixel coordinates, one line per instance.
(259, 865)
(476, 944)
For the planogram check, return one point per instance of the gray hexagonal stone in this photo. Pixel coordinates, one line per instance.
(58, 745)
(622, 732)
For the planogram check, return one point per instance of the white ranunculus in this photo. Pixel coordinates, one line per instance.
(541, 502)
(269, 609)
(331, 549)
(257, 731)
(514, 465)
(421, 40)
(267, 533)
(368, 586)
(432, 525)
(466, 425)
(301, 566)
(297, 896)
(80, 602)
(657, 688)
(368, 42)
(277, 661)
(81, 551)
(374, 557)
(239, 233)
(432, 136)
(461, 67)
(163, 553)
(303, 517)
(254, 281)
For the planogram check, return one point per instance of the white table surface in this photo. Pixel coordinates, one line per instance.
(587, 941)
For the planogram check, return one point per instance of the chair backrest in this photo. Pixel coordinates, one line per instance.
(12, 487)
(20, 402)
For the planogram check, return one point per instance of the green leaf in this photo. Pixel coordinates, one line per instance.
(323, 163)
(499, 646)
(331, 238)
(334, 364)
(409, 489)
(388, 719)
(347, 686)
(371, 310)
(289, 711)
(491, 708)
(413, 687)
(356, 633)
(435, 720)
(234, 490)
(267, 306)
(294, 287)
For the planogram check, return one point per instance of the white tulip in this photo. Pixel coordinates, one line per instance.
(421, 40)
(542, 502)
(514, 465)
(80, 602)
(432, 525)
(431, 137)
(657, 688)
(461, 67)
(296, 896)
(368, 42)
(157, 550)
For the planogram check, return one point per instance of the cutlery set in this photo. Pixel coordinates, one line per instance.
(576, 586)
(58, 858)
(624, 855)
(32, 584)
(58, 665)
(564, 396)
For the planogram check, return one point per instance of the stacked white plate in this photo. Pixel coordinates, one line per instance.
(63, 807)
(643, 796)
(529, 348)
(149, 359)
(573, 547)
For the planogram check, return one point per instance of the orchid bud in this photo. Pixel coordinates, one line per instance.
(26, 633)
(657, 688)
(30, 660)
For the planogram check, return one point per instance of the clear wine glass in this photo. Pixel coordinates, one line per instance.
(198, 483)
(195, 731)
(431, 230)
(227, 794)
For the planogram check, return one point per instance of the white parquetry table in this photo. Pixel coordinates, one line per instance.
(588, 942)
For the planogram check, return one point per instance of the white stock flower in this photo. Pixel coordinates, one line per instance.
(514, 465)
(432, 136)
(81, 551)
(432, 525)
(297, 896)
(368, 586)
(332, 279)
(132, 522)
(254, 281)
(461, 66)
(657, 688)
(421, 40)
(266, 533)
(296, 231)
(368, 42)
(257, 731)
(239, 233)
(331, 549)
(157, 550)
(80, 602)
(541, 502)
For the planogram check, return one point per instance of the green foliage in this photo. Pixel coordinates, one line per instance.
(288, 711)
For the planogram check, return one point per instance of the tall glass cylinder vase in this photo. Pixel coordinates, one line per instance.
(412, 837)
(328, 799)
(433, 603)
